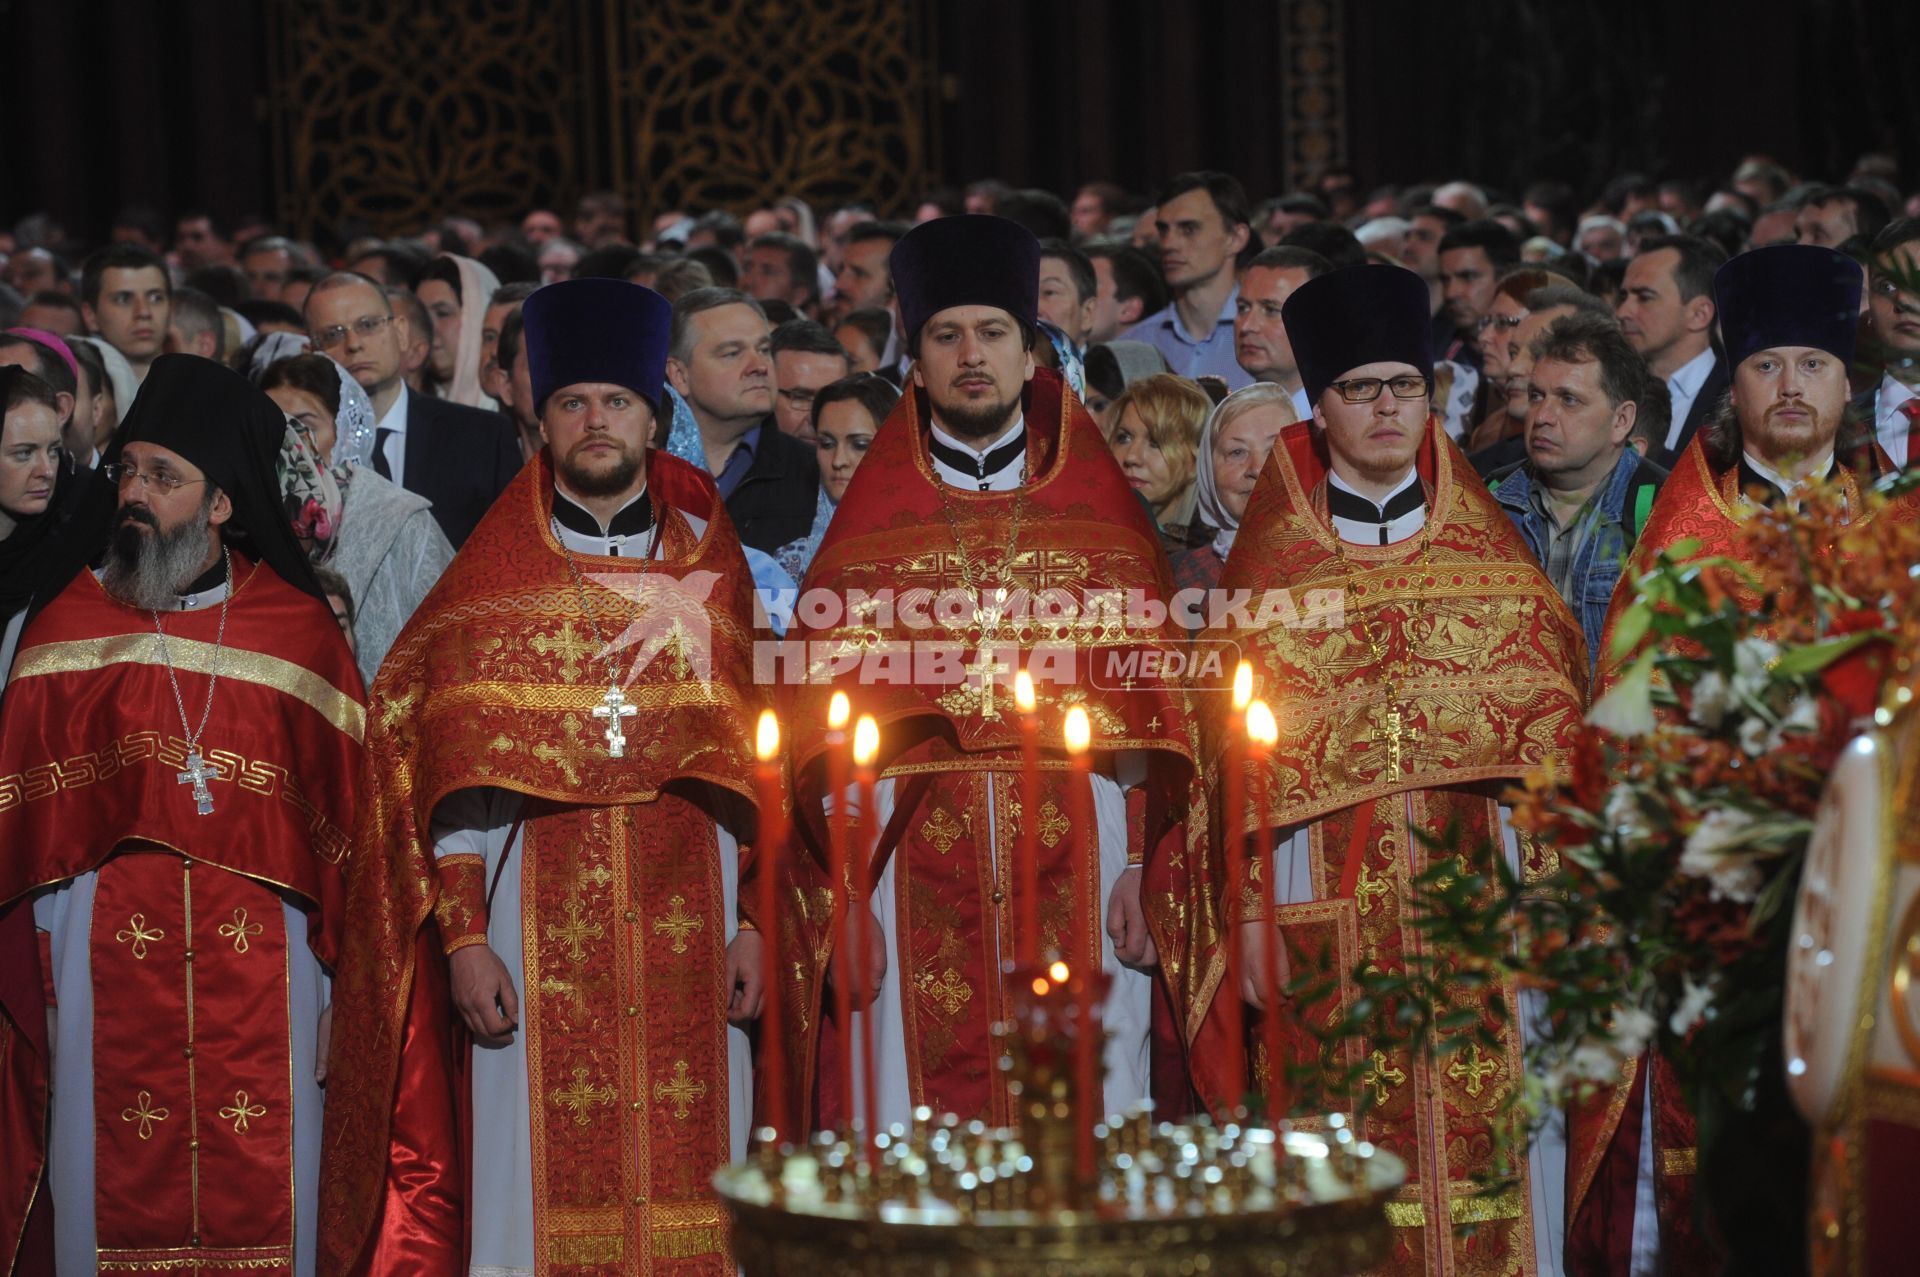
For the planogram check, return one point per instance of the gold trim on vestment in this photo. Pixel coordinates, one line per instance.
(80, 656)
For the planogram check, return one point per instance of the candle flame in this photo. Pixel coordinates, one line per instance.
(866, 740)
(766, 737)
(1023, 698)
(1078, 730)
(1242, 685)
(839, 710)
(1261, 727)
(1059, 972)
(1040, 986)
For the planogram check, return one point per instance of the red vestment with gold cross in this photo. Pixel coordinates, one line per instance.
(1437, 670)
(493, 684)
(177, 923)
(951, 741)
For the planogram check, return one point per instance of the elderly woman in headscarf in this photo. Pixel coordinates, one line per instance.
(379, 537)
(1156, 439)
(1234, 445)
(456, 291)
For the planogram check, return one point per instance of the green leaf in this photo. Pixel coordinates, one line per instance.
(1800, 661)
(1633, 626)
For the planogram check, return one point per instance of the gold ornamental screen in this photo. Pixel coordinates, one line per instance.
(386, 115)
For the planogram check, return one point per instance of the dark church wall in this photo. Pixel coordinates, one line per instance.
(187, 102)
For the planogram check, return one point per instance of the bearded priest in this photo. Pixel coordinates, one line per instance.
(552, 858)
(1450, 670)
(179, 751)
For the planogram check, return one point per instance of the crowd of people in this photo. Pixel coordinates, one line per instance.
(457, 439)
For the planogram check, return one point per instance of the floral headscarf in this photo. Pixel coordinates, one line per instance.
(314, 494)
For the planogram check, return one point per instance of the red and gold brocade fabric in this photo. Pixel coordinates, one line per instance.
(90, 753)
(1431, 672)
(1073, 535)
(1702, 504)
(493, 683)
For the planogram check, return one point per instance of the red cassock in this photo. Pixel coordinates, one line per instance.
(1701, 503)
(1075, 529)
(193, 1072)
(623, 1003)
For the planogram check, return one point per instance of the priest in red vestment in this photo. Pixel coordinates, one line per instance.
(1788, 317)
(1452, 670)
(987, 490)
(551, 859)
(179, 750)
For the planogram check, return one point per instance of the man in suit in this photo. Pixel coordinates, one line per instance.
(457, 457)
(720, 360)
(1666, 310)
(1890, 407)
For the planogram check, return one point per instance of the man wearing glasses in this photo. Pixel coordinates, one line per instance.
(1452, 664)
(197, 717)
(457, 457)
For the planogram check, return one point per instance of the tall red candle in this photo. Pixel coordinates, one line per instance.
(839, 713)
(771, 789)
(1028, 946)
(1233, 829)
(1078, 732)
(1263, 734)
(866, 746)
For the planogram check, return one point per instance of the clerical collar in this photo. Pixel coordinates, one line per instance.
(1755, 473)
(961, 464)
(207, 589)
(1362, 521)
(630, 520)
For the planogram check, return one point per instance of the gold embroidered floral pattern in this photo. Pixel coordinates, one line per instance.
(136, 931)
(239, 929)
(241, 1111)
(144, 1112)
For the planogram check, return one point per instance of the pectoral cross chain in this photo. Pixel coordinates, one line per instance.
(196, 775)
(613, 707)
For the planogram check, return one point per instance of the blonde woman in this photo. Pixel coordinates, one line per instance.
(1156, 440)
(1234, 446)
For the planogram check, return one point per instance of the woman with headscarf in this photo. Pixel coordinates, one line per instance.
(456, 290)
(1109, 368)
(846, 415)
(1156, 439)
(1233, 449)
(378, 536)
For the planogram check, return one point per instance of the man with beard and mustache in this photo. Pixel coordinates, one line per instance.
(987, 482)
(1788, 318)
(181, 738)
(553, 853)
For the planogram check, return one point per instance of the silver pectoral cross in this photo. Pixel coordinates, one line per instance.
(196, 775)
(613, 708)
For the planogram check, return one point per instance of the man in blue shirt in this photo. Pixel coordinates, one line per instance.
(1202, 220)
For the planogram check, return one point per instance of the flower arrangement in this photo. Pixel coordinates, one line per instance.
(1679, 825)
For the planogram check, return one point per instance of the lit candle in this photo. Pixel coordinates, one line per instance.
(1078, 733)
(1023, 699)
(866, 746)
(839, 714)
(1233, 826)
(1263, 733)
(773, 836)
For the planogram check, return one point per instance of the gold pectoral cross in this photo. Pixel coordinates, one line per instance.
(613, 707)
(1397, 731)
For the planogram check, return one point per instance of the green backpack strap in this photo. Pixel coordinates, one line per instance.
(1642, 507)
